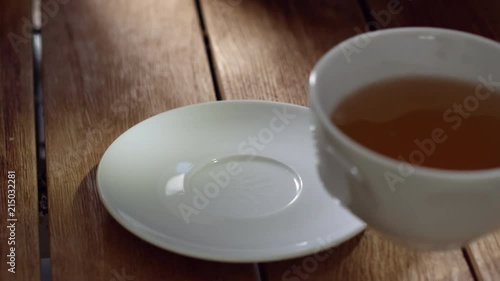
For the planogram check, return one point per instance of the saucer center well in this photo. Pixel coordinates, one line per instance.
(244, 186)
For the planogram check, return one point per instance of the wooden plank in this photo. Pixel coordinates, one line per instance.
(17, 144)
(265, 50)
(485, 257)
(479, 17)
(107, 66)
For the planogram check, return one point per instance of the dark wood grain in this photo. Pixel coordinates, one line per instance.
(478, 17)
(265, 50)
(17, 142)
(107, 66)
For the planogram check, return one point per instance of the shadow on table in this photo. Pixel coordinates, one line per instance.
(312, 27)
(109, 247)
(306, 267)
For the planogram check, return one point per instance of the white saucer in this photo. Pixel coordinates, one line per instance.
(231, 181)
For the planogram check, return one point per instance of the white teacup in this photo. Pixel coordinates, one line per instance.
(417, 206)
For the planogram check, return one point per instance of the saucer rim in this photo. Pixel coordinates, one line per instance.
(356, 225)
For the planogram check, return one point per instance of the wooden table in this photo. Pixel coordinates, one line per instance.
(107, 65)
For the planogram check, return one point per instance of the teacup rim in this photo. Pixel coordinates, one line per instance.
(373, 155)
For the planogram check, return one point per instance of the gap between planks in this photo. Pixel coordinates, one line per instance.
(208, 50)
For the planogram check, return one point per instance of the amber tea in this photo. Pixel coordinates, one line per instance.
(428, 121)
